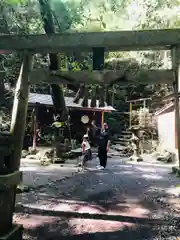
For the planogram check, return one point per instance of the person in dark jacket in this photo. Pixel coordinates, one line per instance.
(103, 146)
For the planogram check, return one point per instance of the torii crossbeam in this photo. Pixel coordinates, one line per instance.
(85, 42)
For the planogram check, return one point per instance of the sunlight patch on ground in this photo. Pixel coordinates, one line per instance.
(122, 166)
(67, 207)
(84, 207)
(131, 210)
(123, 172)
(27, 169)
(149, 169)
(155, 189)
(174, 190)
(101, 173)
(157, 165)
(32, 221)
(80, 226)
(175, 204)
(152, 176)
(116, 205)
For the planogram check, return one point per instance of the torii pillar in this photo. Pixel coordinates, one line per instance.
(175, 55)
(10, 176)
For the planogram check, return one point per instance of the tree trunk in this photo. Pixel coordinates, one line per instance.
(113, 96)
(56, 90)
(3, 21)
(2, 90)
(5, 30)
(98, 58)
(98, 64)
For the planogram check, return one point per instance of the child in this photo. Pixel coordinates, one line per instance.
(86, 150)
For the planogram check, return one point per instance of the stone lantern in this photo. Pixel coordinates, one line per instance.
(136, 143)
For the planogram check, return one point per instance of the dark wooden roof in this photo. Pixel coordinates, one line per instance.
(46, 99)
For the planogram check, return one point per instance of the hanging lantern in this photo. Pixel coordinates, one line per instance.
(85, 119)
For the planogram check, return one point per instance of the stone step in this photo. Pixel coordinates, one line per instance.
(120, 148)
(125, 136)
(123, 143)
(123, 139)
(126, 132)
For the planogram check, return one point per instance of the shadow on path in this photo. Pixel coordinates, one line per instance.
(117, 203)
(106, 217)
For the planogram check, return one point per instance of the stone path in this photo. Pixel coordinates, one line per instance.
(35, 175)
(125, 201)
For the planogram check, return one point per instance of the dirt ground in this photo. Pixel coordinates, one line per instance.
(124, 201)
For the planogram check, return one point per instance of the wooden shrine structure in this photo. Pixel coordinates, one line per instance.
(98, 43)
(141, 100)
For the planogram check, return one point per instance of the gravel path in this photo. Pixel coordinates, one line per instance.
(125, 201)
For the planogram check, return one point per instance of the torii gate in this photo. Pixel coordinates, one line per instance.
(94, 42)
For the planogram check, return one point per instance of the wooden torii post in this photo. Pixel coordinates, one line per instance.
(71, 42)
(175, 55)
(9, 169)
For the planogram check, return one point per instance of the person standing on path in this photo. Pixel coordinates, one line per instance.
(103, 146)
(86, 150)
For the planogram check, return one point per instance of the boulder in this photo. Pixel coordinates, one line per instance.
(167, 157)
(32, 151)
(24, 153)
(29, 156)
(45, 153)
(136, 158)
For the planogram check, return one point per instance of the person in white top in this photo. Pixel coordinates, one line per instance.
(86, 150)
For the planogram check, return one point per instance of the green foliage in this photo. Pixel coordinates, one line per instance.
(116, 121)
(66, 14)
(58, 124)
(13, 1)
(23, 16)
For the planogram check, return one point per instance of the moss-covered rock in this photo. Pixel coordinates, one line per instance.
(174, 170)
(21, 188)
(178, 173)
